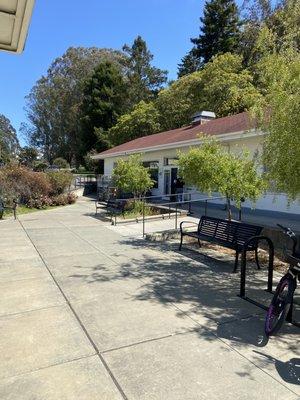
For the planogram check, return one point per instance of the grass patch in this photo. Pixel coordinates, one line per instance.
(22, 209)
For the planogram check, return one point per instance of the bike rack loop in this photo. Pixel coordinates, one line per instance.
(242, 294)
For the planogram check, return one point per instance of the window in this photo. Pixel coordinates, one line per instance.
(153, 168)
(170, 161)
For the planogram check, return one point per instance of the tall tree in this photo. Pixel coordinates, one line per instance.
(9, 143)
(219, 31)
(54, 102)
(190, 63)
(145, 80)
(104, 101)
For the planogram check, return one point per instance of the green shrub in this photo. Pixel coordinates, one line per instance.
(60, 181)
(40, 166)
(61, 163)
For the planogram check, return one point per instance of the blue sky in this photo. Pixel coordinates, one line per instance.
(166, 25)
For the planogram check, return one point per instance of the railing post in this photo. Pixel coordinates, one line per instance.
(143, 217)
(205, 212)
(169, 211)
(270, 267)
(176, 217)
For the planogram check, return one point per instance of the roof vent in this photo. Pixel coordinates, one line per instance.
(201, 117)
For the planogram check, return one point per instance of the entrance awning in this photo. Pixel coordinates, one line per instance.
(15, 17)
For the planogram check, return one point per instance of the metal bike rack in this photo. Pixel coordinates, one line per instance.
(242, 294)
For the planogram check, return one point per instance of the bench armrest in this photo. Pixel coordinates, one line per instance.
(187, 222)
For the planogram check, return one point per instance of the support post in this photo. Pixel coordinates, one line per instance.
(243, 274)
(143, 218)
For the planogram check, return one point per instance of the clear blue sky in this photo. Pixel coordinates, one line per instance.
(166, 25)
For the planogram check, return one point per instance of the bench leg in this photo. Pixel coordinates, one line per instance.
(199, 242)
(236, 261)
(181, 239)
(256, 258)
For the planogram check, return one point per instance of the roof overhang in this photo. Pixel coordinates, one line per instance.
(226, 137)
(15, 16)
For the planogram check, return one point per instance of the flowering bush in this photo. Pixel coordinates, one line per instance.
(22, 183)
(35, 189)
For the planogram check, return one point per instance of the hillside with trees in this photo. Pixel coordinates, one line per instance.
(243, 59)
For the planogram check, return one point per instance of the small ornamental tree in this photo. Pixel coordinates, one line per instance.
(131, 176)
(211, 168)
(61, 163)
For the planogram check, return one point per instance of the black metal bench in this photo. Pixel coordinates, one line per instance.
(113, 206)
(12, 208)
(231, 234)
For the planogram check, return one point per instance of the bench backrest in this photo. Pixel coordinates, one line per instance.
(236, 233)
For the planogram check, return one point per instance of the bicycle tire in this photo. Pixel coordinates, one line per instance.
(280, 305)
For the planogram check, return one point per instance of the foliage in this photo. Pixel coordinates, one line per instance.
(141, 121)
(280, 77)
(269, 27)
(40, 165)
(211, 168)
(54, 102)
(9, 143)
(43, 202)
(219, 30)
(60, 181)
(61, 163)
(103, 103)
(222, 86)
(144, 80)
(28, 156)
(180, 100)
(190, 63)
(22, 183)
(227, 86)
(130, 176)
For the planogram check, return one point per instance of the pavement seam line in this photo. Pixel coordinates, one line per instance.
(146, 341)
(78, 319)
(4, 316)
(48, 366)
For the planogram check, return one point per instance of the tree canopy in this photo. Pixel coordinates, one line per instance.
(53, 105)
(145, 80)
(131, 176)
(219, 29)
(141, 121)
(281, 155)
(211, 168)
(104, 101)
(9, 144)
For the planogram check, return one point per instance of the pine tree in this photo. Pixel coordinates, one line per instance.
(189, 64)
(219, 31)
(104, 99)
(145, 80)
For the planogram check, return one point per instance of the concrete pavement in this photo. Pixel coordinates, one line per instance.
(90, 311)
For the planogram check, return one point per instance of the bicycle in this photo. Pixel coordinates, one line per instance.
(282, 301)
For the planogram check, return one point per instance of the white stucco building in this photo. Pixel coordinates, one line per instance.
(160, 151)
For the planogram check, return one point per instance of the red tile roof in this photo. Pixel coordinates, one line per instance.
(234, 123)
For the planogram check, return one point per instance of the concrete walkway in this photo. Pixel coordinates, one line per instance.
(89, 313)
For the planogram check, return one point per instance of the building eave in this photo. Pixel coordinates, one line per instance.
(14, 20)
(226, 137)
